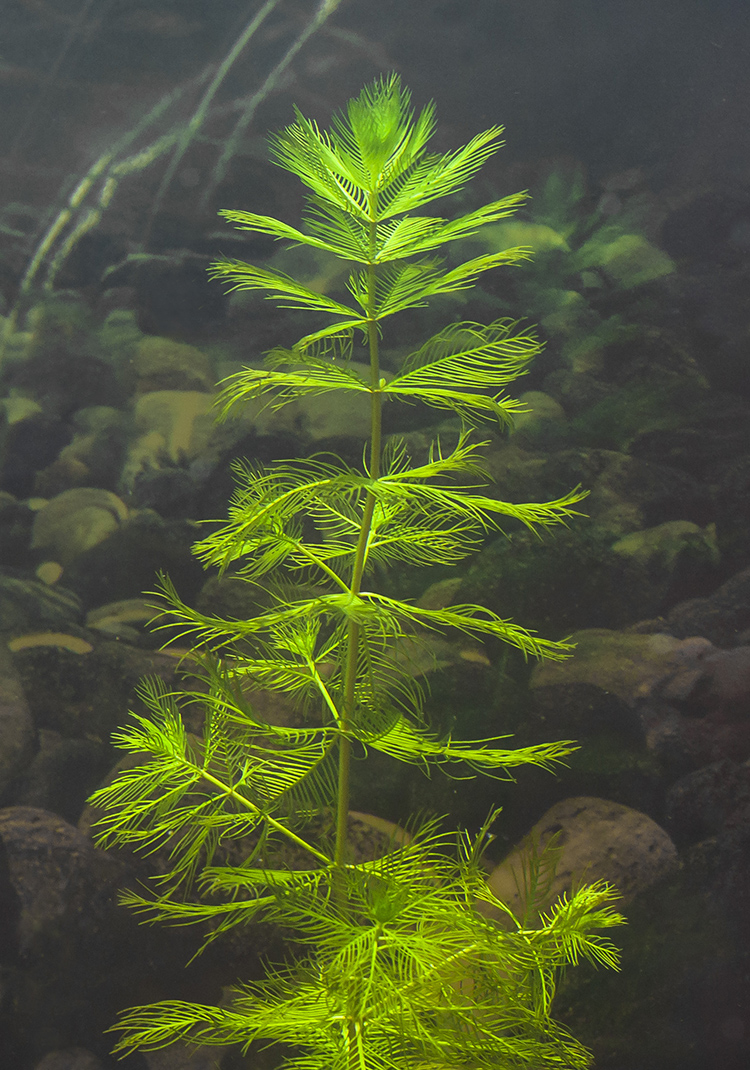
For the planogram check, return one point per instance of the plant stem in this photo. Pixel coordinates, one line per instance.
(276, 825)
(360, 557)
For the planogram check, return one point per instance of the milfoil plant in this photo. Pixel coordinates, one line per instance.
(407, 960)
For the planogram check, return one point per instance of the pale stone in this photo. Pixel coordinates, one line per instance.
(666, 543)
(629, 664)
(177, 422)
(116, 618)
(61, 640)
(130, 610)
(593, 839)
(75, 521)
(49, 572)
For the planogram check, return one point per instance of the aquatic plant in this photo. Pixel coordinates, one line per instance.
(399, 960)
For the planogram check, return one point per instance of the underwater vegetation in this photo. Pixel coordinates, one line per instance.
(401, 959)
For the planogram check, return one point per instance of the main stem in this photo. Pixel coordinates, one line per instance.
(360, 557)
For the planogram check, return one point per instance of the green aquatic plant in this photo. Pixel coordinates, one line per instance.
(399, 961)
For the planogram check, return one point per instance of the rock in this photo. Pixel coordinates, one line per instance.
(441, 594)
(232, 598)
(62, 774)
(64, 930)
(723, 688)
(612, 755)
(75, 521)
(62, 379)
(93, 458)
(723, 617)
(708, 801)
(632, 666)
(163, 364)
(172, 295)
(539, 236)
(17, 407)
(576, 391)
(592, 839)
(705, 446)
(28, 446)
(179, 1056)
(332, 416)
(666, 547)
(630, 260)
(692, 698)
(628, 494)
(16, 520)
(315, 418)
(119, 337)
(716, 723)
(69, 1059)
(28, 605)
(543, 426)
(49, 572)
(87, 698)
(127, 563)
(683, 996)
(172, 492)
(16, 725)
(122, 620)
(61, 640)
(173, 426)
(733, 506)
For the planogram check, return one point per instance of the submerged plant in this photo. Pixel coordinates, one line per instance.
(403, 967)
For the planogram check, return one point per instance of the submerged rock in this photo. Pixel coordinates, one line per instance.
(173, 426)
(723, 617)
(59, 908)
(163, 364)
(589, 840)
(70, 1059)
(672, 545)
(26, 605)
(631, 665)
(16, 725)
(75, 521)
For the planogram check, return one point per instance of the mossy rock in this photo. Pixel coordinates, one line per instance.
(562, 582)
(681, 997)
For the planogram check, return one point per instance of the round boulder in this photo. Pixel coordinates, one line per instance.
(75, 521)
(586, 840)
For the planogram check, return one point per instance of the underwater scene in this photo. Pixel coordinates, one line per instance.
(374, 535)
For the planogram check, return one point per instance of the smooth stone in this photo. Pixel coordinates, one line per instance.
(28, 605)
(121, 619)
(175, 423)
(592, 840)
(629, 664)
(664, 545)
(74, 643)
(75, 521)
